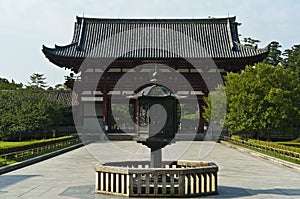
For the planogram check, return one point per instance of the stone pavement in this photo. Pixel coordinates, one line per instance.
(72, 175)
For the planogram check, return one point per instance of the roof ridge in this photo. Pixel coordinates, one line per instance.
(156, 20)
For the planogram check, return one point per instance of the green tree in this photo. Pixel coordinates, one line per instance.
(292, 58)
(38, 80)
(6, 85)
(274, 58)
(7, 113)
(60, 87)
(216, 109)
(262, 99)
(251, 42)
(27, 113)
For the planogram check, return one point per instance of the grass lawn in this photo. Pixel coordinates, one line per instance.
(270, 148)
(32, 148)
(292, 144)
(275, 155)
(7, 147)
(15, 144)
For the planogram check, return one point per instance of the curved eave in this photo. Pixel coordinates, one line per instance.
(71, 63)
(239, 63)
(228, 63)
(260, 55)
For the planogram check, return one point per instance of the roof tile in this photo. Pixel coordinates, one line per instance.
(155, 38)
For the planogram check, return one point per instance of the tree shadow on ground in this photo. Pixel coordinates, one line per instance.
(87, 192)
(7, 180)
(236, 192)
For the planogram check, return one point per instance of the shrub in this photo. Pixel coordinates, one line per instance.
(20, 146)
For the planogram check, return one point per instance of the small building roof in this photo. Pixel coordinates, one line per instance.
(67, 97)
(215, 38)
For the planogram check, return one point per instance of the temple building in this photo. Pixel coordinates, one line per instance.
(103, 51)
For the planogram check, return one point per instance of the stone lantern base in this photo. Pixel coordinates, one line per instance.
(176, 179)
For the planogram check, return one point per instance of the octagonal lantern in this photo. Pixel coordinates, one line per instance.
(157, 119)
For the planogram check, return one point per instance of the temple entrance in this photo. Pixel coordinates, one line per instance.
(194, 54)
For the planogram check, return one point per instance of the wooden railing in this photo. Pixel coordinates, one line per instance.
(176, 179)
(20, 155)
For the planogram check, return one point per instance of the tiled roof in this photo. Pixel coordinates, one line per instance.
(67, 97)
(155, 38)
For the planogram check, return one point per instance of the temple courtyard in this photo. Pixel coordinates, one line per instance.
(72, 175)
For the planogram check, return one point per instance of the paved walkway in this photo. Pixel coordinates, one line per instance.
(72, 175)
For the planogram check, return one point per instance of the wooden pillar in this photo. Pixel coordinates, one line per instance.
(104, 108)
(109, 113)
(203, 122)
(136, 115)
(79, 111)
(201, 110)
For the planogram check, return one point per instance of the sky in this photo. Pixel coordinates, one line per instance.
(28, 24)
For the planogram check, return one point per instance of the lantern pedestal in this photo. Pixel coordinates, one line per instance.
(155, 145)
(174, 179)
(156, 158)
